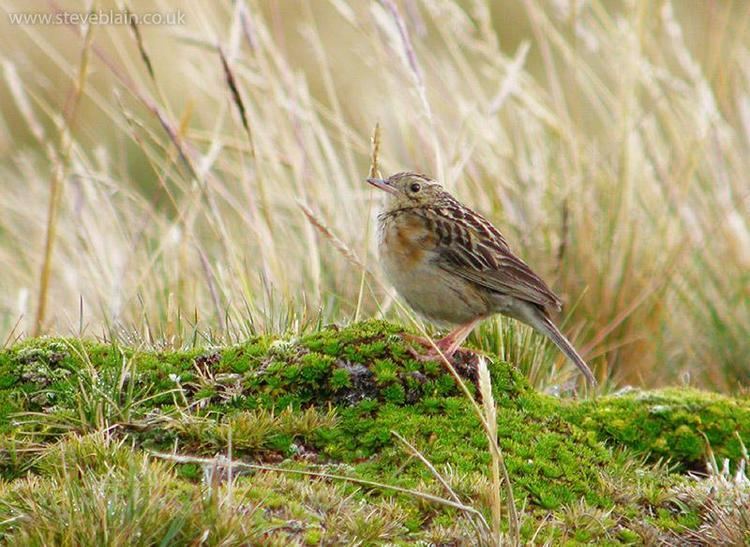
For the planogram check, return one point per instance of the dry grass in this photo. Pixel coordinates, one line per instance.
(724, 499)
(609, 143)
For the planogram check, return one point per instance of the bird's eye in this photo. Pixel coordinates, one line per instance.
(415, 187)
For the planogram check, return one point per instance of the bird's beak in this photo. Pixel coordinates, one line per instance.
(383, 185)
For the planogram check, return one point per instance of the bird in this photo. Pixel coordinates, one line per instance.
(453, 267)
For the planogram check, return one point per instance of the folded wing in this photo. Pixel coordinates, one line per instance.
(470, 247)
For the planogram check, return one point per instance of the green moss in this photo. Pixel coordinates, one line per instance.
(543, 454)
(337, 395)
(628, 537)
(189, 471)
(313, 536)
(675, 424)
(340, 379)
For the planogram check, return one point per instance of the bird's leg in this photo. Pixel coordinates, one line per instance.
(446, 345)
(453, 340)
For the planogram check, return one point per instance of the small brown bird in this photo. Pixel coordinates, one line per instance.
(454, 267)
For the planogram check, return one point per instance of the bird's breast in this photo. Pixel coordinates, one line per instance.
(405, 241)
(407, 248)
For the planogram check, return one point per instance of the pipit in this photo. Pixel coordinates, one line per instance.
(453, 267)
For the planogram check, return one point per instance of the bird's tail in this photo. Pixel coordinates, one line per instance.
(545, 325)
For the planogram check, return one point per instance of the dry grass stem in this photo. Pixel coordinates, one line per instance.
(220, 462)
(490, 414)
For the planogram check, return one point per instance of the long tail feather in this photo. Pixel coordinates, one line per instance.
(545, 325)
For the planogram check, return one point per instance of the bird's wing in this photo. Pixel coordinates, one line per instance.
(469, 246)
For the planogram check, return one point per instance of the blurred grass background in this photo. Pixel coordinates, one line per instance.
(608, 140)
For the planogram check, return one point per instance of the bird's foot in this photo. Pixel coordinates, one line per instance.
(436, 350)
(426, 350)
(463, 360)
(430, 355)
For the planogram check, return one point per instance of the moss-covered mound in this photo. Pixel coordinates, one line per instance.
(333, 399)
(677, 425)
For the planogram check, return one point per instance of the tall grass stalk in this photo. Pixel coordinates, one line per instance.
(499, 477)
(497, 463)
(481, 527)
(488, 418)
(487, 415)
(59, 172)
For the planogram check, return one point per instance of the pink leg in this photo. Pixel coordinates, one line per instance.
(455, 338)
(447, 345)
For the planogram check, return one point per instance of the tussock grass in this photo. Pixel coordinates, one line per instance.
(94, 491)
(253, 431)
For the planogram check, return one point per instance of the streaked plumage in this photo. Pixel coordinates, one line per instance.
(454, 267)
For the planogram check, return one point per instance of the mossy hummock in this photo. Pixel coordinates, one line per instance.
(336, 396)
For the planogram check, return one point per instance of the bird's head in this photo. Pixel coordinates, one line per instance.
(408, 190)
